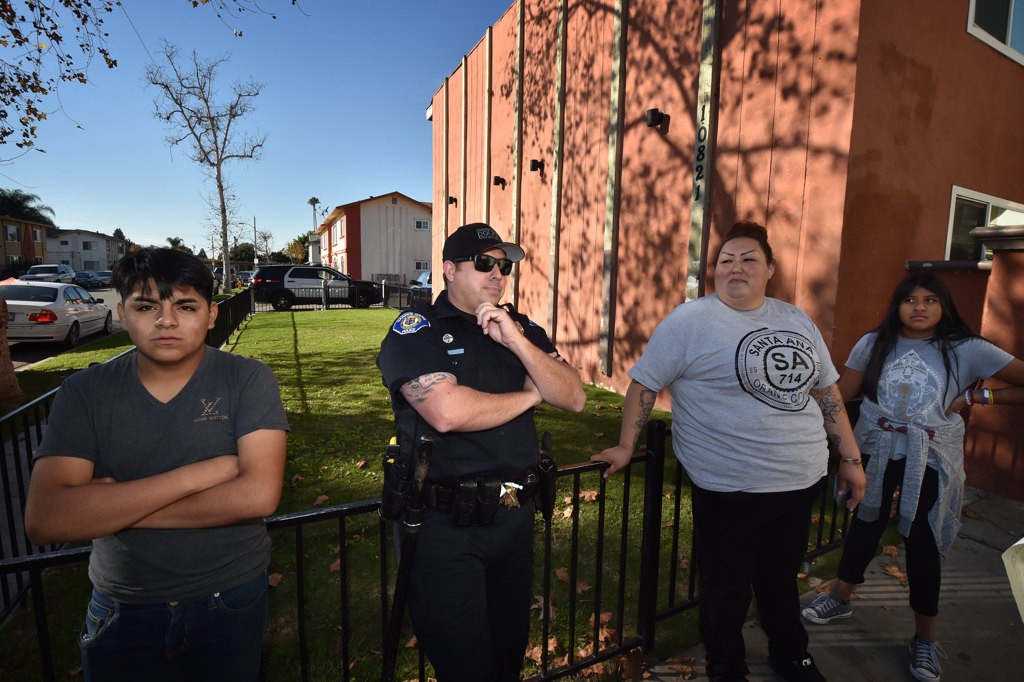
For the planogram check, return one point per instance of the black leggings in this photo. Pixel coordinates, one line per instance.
(924, 564)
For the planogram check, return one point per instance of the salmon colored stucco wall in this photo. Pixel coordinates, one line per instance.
(994, 452)
(842, 126)
(935, 107)
(540, 26)
(502, 147)
(662, 55)
(785, 112)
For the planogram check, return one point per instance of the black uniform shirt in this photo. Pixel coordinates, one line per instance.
(442, 338)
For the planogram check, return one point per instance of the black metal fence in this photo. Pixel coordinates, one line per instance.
(610, 566)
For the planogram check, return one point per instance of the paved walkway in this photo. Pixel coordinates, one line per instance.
(980, 627)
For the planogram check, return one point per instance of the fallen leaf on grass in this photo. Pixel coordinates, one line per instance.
(582, 586)
(361, 464)
(567, 512)
(588, 495)
(411, 644)
(298, 478)
(684, 562)
(599, 434)
(275, 579)
(336, 566)
(320, 500)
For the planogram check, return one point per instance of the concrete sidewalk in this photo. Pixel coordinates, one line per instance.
(980, 627)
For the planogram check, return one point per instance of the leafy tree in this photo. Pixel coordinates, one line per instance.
(297, 249)
(202, 254)
(242, 253)
(188, 104)
(17, 204)
(49, 42)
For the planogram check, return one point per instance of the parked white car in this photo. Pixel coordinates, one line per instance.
(53, 311)
(57, 272)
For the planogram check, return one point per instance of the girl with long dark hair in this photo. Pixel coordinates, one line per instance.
(915, 372)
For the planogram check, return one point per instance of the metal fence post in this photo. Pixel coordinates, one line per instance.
(323, 294)
(650, 542)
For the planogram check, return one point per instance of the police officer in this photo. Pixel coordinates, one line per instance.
(468, 372)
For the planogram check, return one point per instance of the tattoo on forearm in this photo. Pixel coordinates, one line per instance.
(647, 399)
(831, 408)
(419, 389)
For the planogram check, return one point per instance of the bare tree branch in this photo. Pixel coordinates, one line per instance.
(187, 102)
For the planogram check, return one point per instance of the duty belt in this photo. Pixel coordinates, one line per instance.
(513, 494)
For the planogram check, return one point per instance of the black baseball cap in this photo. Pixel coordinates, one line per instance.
(474, 238)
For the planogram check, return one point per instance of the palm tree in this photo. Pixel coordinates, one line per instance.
(17, 204)
(313, 201)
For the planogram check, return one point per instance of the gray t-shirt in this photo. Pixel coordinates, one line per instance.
(742, 415)
(912, 387)
(104, 414)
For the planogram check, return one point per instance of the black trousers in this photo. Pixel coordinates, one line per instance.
(750, 544)
(470, 594)
(924, 563)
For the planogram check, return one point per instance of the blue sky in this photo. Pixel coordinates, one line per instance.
(346, 87)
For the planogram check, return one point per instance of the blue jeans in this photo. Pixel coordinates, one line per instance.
(215, 638)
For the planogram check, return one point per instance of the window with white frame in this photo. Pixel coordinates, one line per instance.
(11, 233)
(13, 260)
(422, 224)
(999, 23)
(37, 234)
(969, 209)
(422, 265)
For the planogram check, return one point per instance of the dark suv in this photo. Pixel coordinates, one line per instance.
(284, 285)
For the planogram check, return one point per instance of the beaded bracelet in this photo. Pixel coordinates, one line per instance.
(967, 397)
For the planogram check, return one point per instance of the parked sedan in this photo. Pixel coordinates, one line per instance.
(87, 279)
(104, 276)
(53, 311)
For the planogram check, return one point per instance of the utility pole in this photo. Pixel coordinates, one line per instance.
(255, 242)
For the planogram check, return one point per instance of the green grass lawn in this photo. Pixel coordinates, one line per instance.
(340, 419)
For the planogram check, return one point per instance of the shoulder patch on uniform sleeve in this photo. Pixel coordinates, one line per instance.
(409, 323)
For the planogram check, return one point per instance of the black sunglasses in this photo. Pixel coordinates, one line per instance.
(485, 263)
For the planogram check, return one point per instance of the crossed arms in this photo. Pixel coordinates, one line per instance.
(65, 503)
(448, 406)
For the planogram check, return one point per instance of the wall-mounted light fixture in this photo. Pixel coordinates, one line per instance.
(655, 117)
(536, 165)
(453, 201)
(499, 181)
